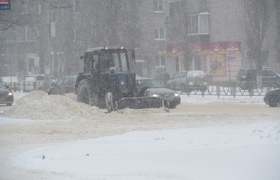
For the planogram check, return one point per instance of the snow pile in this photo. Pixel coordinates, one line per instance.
(37, 105)
(268, 132)
(197, 99)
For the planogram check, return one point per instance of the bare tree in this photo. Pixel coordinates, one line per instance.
(179, 29)
(256, 24)
(277, 42)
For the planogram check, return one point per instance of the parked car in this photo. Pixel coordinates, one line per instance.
(63, 85)
(188, 81)
(39, 78)
(156, 89)
(6, 96)
(246, 78)
(11, 81)
(272, 98)
(36, 82)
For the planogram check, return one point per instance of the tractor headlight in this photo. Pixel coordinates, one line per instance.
(176, 94)
(154, 95)
(122, 82)
(9, 94)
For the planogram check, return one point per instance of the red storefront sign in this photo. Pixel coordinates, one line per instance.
(205, 48)
(174, 50)
(5, 5)
(215, 48)
(4, 1)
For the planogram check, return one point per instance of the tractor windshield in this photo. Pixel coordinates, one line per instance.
(120, 61)
(114, 60)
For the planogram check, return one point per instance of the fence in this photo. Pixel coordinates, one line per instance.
(214, 89)
(231, 89)
(25, 86)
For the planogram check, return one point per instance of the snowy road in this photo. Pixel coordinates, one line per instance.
(209, 124)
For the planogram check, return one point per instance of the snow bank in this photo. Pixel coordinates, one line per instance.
(197, 99)
(37, 105)
(231, 153)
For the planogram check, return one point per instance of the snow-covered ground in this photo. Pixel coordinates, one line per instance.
(54, 137)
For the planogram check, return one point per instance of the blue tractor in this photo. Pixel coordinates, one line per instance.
(107, 81)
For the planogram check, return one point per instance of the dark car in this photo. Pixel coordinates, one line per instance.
(188, 81)
(63, 85)
(272, 98)
(156, 89)
(246, 78)
(6, 96)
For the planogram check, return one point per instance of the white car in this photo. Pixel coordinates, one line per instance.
(188, 81)
(39, 78)
(35, 82)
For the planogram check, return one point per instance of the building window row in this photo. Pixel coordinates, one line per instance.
(23, 34)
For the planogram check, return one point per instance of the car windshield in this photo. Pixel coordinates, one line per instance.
(40, 78)
(29, 78)
(195, 73)
(71, 80)
(150, 83)
(1, 85)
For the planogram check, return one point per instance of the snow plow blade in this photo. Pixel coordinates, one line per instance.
(140, 103)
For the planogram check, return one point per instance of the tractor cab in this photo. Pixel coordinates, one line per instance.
(105, 60)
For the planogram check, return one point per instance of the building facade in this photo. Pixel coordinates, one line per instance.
(167, 35)
(217, 38)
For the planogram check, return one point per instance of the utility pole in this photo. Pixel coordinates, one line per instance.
(46, 44)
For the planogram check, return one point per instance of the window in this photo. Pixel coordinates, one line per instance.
(199, 24)
(203, 6)
(77, 6)
(194, 25)
(94, 62)
(116, 61)
(203, 24)
(160, 34)
(30, 34)
(158, 5)
(123, 62)
(31, 64)
(162, 61)
(20, 34)
(59, 82)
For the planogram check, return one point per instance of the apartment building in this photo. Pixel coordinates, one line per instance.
(171, 35)
(40, 38)
(216, 39)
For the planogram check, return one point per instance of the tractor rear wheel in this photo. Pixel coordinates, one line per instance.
(86, 95)
(84, 92)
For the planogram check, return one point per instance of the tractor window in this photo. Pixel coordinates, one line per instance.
(123, 61)
(116, 61)
(106, 62)
(87, 63)
(94, 61)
